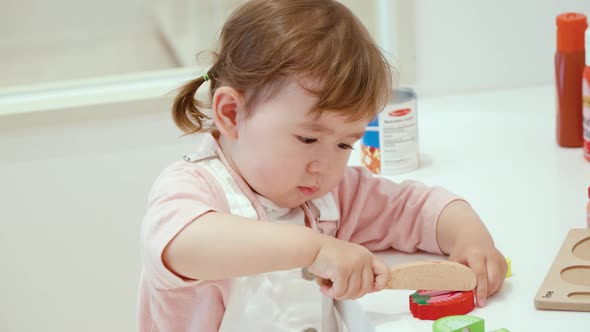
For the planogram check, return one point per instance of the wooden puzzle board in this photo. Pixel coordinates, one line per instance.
(567, 284)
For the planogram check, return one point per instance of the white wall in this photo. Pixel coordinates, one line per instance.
(48, 41)
(73, 191)
(43, 23)
(465, 45)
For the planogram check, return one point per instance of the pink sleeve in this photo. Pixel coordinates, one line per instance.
(381, 214)
(180, 195)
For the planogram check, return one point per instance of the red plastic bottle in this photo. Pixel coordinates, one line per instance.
(569, 69)
(586, 101)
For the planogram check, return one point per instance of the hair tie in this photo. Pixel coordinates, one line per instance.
(205, 77)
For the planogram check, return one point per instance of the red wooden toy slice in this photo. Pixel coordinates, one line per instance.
(432, 305)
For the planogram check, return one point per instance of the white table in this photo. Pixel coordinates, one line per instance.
(498, 151)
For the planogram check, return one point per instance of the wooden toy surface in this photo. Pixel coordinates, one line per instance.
(567, 284)
(433, 276)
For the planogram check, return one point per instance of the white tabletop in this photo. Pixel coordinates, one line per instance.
(498, 150)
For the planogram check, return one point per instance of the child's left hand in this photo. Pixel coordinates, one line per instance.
(486, 261)
(463, 236)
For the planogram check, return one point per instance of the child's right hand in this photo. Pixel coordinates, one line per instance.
(348, 270)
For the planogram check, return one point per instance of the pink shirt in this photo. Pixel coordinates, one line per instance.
(374, 212)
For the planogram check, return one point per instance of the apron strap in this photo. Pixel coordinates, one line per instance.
(238, 203)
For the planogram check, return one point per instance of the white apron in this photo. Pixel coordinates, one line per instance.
(282, 300)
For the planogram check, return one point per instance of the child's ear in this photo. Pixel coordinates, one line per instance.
(227, 104)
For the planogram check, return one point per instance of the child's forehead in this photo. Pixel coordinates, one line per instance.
(297, 98)
(330, 122)
(299, 87)
(294, 96)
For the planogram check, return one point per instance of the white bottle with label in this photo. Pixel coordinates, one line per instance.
(390, 143)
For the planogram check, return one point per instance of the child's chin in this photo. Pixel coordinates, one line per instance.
(294, 203)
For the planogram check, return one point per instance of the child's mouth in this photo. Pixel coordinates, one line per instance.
(308, 191)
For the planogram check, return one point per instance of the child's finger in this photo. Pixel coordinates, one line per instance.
(494, 279)
(338, 288)
(479, 267)
(323, 282)
(381, 273)
(322, 279)
(368, 280)
(353, 286)
(330, 286)
(496, 274)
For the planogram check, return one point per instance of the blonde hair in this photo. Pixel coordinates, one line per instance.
(266, 42)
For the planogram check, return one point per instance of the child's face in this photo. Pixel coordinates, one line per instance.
(290, 155)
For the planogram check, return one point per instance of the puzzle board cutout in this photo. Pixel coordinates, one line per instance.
(567, 284)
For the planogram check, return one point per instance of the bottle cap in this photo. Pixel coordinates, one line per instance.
(570, 32)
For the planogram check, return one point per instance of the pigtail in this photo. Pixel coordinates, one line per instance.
(186, 110)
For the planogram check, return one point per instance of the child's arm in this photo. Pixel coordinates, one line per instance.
(381, 214)
(221, 246)
(462, 235)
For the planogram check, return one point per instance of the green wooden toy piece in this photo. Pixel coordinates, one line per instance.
(459, 323)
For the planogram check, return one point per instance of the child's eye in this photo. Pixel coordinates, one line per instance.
(344, 146)
(307, 140)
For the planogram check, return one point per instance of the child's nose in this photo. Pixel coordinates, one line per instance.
(314, 167)
(320, 165)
